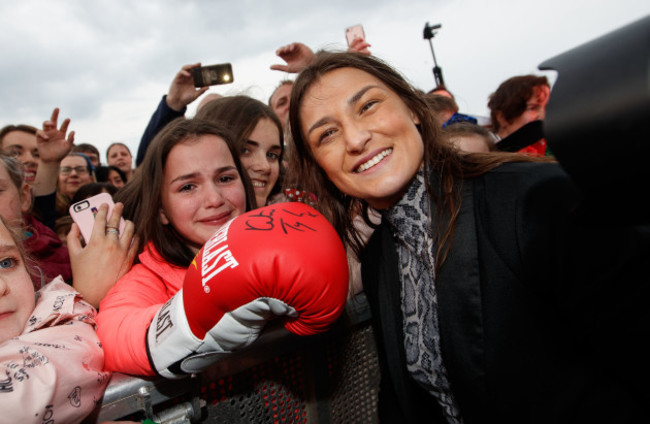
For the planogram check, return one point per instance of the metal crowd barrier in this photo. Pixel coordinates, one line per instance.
(281, 378)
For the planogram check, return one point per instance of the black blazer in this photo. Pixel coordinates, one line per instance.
(544, 313)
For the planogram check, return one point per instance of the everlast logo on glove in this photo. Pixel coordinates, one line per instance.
(217, 249)
(164, 320)
(283, 261)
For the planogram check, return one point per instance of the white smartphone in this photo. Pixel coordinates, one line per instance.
(83, 213)
(354, 32)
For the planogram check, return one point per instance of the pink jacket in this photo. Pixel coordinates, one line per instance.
(52, 372)
(128, 308)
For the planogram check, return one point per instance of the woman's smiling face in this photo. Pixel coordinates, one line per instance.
(70, 182)
(261, 158)
(362, 135)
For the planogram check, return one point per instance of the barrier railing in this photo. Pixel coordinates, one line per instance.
(281, 378)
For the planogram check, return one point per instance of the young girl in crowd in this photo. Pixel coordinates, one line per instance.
(51, 361)
(110, 174)
(190, 184)
(119, 155)
(258, 136)
(492, 300)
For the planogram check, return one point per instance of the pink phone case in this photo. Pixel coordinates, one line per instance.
(354, 32)
(83, 213)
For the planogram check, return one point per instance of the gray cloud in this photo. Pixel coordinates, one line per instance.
(106, 63)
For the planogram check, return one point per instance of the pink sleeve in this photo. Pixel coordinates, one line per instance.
(53, 372)
(124, 317)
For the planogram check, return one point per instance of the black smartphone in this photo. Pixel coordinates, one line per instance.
(212, 75)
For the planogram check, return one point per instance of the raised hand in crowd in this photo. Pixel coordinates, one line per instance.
(107, 250)
(359, 45)
(182, 91)
(296, 55)
(53, 145)
(173, 105)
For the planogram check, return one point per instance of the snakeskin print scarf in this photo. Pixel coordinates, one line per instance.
(410, 224)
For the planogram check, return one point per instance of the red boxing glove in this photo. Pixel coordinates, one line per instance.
(282, 260)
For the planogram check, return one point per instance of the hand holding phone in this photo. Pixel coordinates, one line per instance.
(212, 75)
(83, 213)
(353, 33)
(107, 255)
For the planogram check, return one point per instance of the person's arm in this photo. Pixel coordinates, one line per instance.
(162, 116)
(296, 55)
(126, 312)
(181, 93)
(44, 209)
(55, 367)
(52, 146)
(110, 253)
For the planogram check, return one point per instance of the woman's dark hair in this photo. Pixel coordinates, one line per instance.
(91, 189)
(444, 166)
(141, 196)
(102, 172)
(241, 115)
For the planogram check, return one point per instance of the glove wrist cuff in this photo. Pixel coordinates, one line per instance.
(170, 339)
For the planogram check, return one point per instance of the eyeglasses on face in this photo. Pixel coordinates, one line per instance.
(80, 170)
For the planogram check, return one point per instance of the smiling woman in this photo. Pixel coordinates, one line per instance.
(19, 141)
(259, 138)
(74, 172)
(341, 124)
(472, 252)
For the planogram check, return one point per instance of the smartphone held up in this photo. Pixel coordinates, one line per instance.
(83, 213)
(212, 75)
(353, 33)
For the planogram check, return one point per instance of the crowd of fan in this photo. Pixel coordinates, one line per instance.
(43, 171)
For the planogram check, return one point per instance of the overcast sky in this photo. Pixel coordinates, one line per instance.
(107, 63)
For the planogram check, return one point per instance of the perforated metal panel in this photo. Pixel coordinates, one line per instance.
(333, 381)
(354, 374)
(273, 392)
(329, 378)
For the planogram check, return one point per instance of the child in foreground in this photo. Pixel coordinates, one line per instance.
(51, 361)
